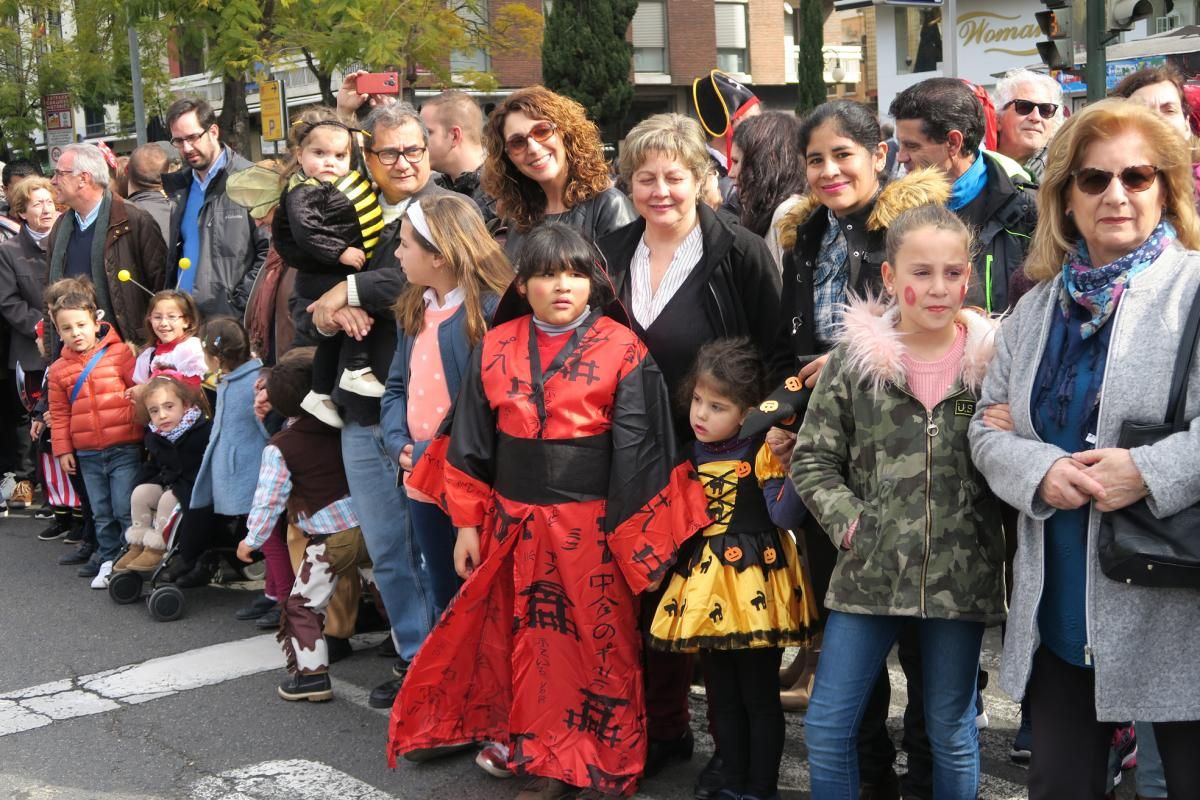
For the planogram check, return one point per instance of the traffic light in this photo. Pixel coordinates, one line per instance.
(1121, 15)
(1058, 50)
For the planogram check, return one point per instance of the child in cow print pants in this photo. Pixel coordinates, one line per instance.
(302, 473)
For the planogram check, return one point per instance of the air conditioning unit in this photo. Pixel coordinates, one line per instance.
(1168, 23)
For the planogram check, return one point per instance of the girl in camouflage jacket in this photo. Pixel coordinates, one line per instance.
(883, 464)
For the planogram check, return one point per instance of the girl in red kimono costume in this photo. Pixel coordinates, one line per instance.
(560, 472)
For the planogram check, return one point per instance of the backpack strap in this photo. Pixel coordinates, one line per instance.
(87, 370)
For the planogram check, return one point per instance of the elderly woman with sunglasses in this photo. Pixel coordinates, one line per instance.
(544, 163)
(1091, 347)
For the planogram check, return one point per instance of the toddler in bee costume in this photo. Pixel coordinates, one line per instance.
(738, 592)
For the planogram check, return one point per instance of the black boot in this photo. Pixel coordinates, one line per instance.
(313, 688)
(78, 532)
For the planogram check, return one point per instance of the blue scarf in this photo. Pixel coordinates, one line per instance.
(969, 184)
(1099, 289)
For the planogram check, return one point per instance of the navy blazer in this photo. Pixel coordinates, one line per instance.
(455, 352)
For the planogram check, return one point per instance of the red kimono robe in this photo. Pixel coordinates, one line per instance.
(571, 475)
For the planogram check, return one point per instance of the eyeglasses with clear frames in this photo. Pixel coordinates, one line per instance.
(171, 318)
(391, 155)
(62, 173)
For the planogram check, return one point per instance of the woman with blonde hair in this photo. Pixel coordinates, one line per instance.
(545, 162)
(687, 277)
(456, 273)
(1091, 348)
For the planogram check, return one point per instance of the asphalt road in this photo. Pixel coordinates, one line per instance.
(94, 707)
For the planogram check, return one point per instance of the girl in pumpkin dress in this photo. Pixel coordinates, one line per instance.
(738, 592)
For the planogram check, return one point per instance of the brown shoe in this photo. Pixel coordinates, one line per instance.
(132, 554)
(148, 561)
(22, 496)
(547, 789)
(796, 696)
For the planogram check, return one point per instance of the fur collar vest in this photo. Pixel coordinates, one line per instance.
(874, 348)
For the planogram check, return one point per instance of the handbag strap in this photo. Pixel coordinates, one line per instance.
(1184, 359)
(87, 370)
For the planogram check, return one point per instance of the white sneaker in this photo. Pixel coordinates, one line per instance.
(101, 579)
(321, 407)
(361, 382)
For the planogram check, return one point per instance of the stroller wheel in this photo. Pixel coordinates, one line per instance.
(125, 587)
(165, 603)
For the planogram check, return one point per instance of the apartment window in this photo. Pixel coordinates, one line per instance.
(471, 59)
(732, 55)
(191, 57)
(94, 121)
(650, 37)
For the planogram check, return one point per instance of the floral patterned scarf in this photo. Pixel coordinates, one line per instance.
(1099, 289)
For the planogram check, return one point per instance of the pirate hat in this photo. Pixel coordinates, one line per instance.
(783, 409)
(719, 100)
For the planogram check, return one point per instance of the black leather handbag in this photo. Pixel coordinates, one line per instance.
(1136, 547)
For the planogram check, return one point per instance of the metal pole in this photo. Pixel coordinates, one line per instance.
(1096, 72)
(135, 74)
(949, 48)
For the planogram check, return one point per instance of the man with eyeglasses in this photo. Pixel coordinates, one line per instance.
(396, 150)
(217, 236)
(100, 235)
(1030, 111)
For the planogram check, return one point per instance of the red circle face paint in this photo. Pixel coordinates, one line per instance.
(910, 296)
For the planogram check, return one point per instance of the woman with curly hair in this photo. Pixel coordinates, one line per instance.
(545, 162)
(765, 167)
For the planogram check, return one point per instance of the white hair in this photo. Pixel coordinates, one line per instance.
(89, 160)
(1006, 90)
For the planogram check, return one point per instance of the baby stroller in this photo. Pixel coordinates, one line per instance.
(164, 599)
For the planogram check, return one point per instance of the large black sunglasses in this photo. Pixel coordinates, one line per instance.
(1096, 181)
(1026, 107)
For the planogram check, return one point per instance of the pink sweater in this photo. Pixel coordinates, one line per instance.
(930, 380)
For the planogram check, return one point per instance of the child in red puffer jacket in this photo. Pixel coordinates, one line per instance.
(94, 431)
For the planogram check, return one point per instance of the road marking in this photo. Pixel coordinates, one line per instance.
(295, 779)
(109, 690)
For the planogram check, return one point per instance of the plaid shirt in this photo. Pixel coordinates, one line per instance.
(829, 282)
(270, 501)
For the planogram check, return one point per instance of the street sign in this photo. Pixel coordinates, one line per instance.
(273, 106)
(60, 123)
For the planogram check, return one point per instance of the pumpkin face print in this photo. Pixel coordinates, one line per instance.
(743, 469)
(733, 554)
(789, 421)
(793, 384)
(769, 555)
(768, 406)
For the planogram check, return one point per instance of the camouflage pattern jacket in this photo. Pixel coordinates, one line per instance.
(928, 541)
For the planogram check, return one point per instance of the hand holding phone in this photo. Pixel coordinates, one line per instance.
(379, 83)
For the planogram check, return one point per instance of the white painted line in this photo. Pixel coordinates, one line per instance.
(353, 693)
(285, 780)
(109, 690)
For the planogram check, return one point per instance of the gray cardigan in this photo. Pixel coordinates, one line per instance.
(1144, 643)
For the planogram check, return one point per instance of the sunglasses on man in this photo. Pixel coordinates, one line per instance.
(1026, 107)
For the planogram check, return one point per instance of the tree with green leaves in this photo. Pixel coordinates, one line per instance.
(810, 70)
(586, 57)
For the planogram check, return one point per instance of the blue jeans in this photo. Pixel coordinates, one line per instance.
(382, 511)
(108, 475)
(435, 537)
(853, 653)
